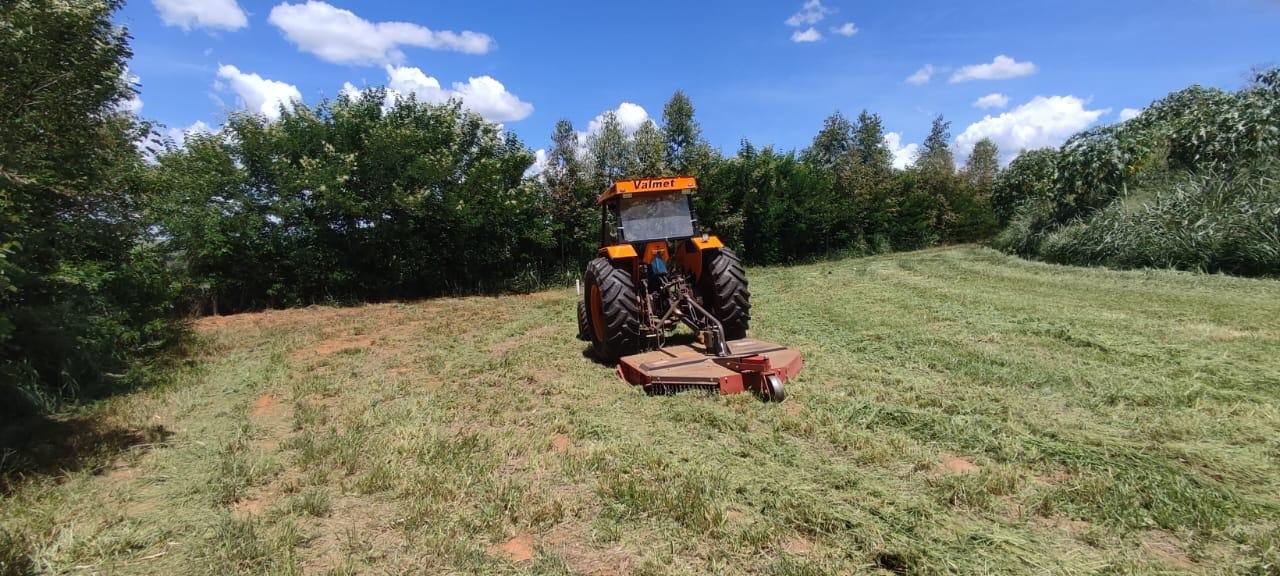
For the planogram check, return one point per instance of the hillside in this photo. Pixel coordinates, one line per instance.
(961, 411)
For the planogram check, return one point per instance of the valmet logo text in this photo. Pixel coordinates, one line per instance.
(653, 184)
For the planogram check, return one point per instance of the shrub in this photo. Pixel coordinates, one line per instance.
(1025, 230)
(1181, 185)
(82, 291)
(1028, 178)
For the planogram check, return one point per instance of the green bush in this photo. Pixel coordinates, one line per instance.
(347, 201)
(1188, 183)
(83, 291)
(1030, 177)
(1025, 229)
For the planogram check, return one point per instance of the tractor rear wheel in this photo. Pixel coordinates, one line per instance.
(724, 291)
(584, 322)
(613, 309)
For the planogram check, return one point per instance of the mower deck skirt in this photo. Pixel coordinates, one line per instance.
(690, 366)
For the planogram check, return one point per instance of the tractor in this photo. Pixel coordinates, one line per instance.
(653, 273)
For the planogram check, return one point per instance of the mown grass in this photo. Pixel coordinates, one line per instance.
(961, 411)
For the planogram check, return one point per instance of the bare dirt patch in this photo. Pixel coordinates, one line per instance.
(517, 549)
(956, 465)
(333, 346)
(120, 474)
(322, 315)
(247, 507)
(572, 543)
(265, 405)
(562, 444)
(274, 417)
(1167, 548)
(1073, 528)
(797, 545)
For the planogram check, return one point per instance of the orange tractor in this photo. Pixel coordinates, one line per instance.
(652, 274)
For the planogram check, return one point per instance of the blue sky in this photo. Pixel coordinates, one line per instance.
(766, 71)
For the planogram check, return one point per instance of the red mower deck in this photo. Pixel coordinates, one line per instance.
(747, 367)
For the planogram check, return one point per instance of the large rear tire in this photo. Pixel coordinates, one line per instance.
(613, 309)
(584, 321)
(724, 291)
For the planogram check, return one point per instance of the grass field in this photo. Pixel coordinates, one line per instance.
(960, 412)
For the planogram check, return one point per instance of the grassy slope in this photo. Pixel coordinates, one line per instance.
(960, 411)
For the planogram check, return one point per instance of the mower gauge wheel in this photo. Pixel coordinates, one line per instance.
(774, 389)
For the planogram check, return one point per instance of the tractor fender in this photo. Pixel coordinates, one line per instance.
(622, 255)
(689, 256)
(617, 252)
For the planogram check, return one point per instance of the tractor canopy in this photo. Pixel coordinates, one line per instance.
(646, 186)
(652, 208)
(656, 217)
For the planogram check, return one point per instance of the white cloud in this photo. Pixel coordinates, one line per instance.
(133, 103)
(412, 80)
(993, 100)
(922, 76)
(630, 117)
(483, 95)
(1127, 114)
(341, 37)
(259, 94)
(846, 29)
(210, 14)
(1039, 123)
(539, 164)
(350, 91)
(810, 13)
(179, 135)
(810, 35)
(1002, 67)
(489, 98)
(903, 155)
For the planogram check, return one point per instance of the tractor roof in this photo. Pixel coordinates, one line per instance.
(625, 188)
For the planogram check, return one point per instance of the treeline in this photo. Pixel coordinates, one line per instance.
(347, 201)
(841, 193)
(1193, 182)
(370, 197)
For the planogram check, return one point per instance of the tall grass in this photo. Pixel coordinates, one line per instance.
(1212, 222)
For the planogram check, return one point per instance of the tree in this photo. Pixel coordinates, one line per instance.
(564, 170)
(684, 135)
(832, 143)
(935, 153)
(651, 147)
(866, 177)
(869, 144)
(83, 294)
(983, 165)
(351, 200)
(570, 196)
(611, 152)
